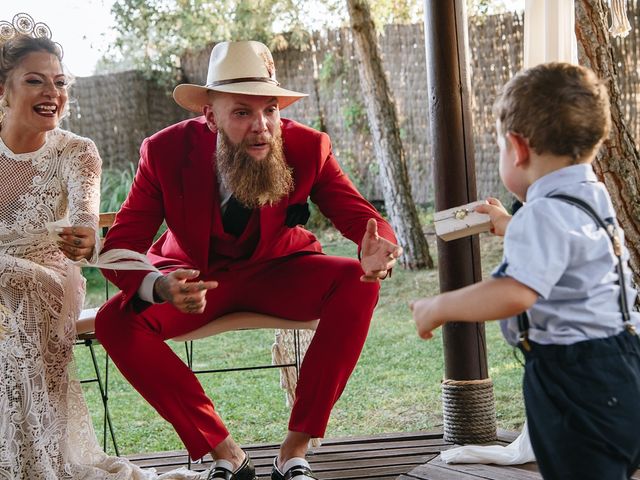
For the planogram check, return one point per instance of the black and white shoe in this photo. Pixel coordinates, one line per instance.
(294, 469)
(223, 470)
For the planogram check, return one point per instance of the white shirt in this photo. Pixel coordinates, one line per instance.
(558, 250)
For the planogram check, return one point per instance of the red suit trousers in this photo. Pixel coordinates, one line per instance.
(300, 287)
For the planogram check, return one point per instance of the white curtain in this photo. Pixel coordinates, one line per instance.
(549, 32)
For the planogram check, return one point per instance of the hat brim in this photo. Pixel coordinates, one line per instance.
(195, 97)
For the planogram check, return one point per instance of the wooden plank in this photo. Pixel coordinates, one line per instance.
(390, 454)
(433, 472)
(495, 472)
(106, 219)
(394, 436)
(507, 436)
(360, 473)
(429, 444)
(362, 462)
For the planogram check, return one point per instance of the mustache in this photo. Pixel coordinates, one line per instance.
(258, 139)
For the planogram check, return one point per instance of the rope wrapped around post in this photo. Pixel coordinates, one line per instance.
(469, 411)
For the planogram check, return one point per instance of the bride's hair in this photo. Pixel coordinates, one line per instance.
(15, 49)
(17, 40)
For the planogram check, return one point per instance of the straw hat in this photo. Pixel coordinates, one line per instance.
(237, 67)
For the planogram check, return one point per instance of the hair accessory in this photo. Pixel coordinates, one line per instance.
(23, 24)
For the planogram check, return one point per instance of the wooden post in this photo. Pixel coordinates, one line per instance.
(455, 182)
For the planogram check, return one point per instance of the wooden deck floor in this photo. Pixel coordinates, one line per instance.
(402, 456)
(407, 456)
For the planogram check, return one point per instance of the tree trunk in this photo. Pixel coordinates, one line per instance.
(383, 121)
(617, 163)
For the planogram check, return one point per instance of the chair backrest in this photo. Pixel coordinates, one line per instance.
(106, 219)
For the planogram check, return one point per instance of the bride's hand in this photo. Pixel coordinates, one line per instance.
(77, 242)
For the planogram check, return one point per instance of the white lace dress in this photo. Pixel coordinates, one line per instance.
(45, 427)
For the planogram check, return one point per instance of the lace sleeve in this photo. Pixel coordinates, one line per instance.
(83, 184)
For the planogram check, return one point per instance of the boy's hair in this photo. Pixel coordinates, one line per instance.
(559, 108)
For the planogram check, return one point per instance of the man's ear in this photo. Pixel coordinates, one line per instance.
(520, 146)
(209, 116)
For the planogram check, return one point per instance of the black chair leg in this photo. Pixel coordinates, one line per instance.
(104, 394)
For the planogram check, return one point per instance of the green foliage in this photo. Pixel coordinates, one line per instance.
(329, 70)
(317, 221)
(492, 7)
(396, 11)
(115, 186)
(350, 164)
(152, 35)
(374, 169)
(354, 115)
(316, 124)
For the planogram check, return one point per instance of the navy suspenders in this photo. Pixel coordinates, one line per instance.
(611, 229)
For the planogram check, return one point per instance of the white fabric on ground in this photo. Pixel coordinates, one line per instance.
(517, 452)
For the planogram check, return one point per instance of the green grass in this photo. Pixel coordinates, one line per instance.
(395, 387)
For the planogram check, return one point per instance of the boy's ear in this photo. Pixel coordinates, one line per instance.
(520, 146)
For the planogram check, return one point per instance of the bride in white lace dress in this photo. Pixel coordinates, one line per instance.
(47, 175)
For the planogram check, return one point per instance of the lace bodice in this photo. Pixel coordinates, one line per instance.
(62, 177)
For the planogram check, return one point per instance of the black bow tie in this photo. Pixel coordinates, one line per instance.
(235, 217)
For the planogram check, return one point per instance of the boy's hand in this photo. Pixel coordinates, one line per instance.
(425, 316)
(499, 216)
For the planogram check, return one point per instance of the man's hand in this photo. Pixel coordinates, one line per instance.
(378, 255)
(499, 216)
(186, 296)
(424, 314)
(77, 242)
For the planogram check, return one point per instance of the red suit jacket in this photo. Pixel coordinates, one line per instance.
(176, 182)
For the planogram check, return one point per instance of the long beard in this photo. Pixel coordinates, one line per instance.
(254, 183)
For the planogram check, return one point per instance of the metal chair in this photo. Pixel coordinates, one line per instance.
(85, 328)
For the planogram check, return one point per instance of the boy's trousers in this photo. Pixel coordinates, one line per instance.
(583, 408)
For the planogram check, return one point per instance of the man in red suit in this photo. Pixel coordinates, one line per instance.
(232, 186)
